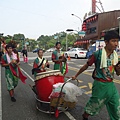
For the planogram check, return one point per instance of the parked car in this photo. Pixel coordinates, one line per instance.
(76, 52)
(19, 50)
(50, 50)
(35, 50)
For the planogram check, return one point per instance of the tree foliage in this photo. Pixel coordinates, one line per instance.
(18, 37)
(44, 41)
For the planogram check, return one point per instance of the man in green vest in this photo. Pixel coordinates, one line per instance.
(60, 62)
(104, 91)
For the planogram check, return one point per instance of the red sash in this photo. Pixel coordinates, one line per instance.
(19, 74)
(102, 80)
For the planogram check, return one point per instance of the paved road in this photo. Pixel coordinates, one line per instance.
(25, 107)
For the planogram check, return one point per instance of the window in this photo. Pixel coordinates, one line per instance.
(93, 30)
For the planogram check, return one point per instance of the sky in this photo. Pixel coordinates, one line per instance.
(34, 18)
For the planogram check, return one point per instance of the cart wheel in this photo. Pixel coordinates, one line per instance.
(56, 113)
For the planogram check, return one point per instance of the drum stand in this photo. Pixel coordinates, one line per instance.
(45, 107)
(56, 105)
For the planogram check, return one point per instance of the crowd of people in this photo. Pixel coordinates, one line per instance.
(106, 63)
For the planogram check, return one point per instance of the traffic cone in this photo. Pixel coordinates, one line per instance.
(69, 58)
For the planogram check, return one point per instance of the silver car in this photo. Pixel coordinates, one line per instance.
(76, 52)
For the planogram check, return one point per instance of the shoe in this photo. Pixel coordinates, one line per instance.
(13, 99)
(84, 118)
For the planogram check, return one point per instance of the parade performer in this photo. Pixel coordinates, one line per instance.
(25, 55)
(1, 54)
(104, 91)
(60, 62)
(40, 63)
(12, 71)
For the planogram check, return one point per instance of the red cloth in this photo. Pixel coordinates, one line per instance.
(56, 113)
(91, 60)
(66, 68)
(53, 56)
(19, 74)
(102, 80)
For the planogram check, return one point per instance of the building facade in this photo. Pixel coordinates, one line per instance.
(98, 23)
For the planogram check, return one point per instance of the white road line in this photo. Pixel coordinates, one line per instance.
(0, 97)
(89, 70)
(83, 64)
(67, 113)
(30, 64)
(28, 75)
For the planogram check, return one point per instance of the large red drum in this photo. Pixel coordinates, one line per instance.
(44, 83)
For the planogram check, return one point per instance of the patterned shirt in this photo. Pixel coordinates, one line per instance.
(104, 73)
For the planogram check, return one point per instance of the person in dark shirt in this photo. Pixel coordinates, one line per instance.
(25, 55)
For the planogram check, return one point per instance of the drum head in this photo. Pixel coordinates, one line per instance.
(48, 73)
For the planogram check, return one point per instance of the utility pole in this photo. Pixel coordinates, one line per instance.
(78, 18)
(119, 24)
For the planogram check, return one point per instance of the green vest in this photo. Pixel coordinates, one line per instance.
(105, 72)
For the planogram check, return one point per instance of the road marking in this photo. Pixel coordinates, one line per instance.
(90, 70)
(28, 75)
(116, 81)
(88, 92)
(78, 65)
(69, 115)
(90, 85)
(0, 97)
(80, 81)
(31, 64)
(87, 73)
(84, 86)
(70, 62)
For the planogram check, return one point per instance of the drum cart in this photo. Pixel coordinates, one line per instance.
(53, 105)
